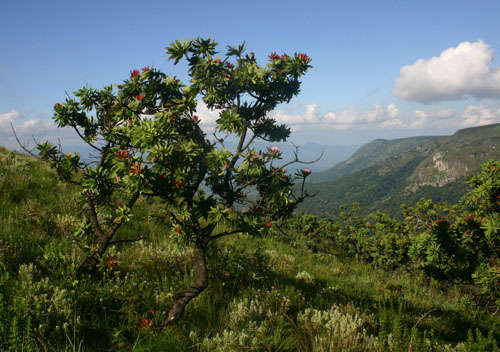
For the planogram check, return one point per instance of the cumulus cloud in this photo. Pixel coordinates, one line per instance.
(472, 115)
(207, 116)
(345, 119)
(27, 129)
(457, 73)
(479, 116)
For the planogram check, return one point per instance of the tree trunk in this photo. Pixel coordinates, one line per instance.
(200, 283)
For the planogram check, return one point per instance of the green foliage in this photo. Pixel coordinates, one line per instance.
(289, 291)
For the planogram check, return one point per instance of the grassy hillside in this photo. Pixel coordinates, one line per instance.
(265, 294)
(368, 155)
(435, 170)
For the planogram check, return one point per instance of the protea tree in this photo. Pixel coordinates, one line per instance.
(150, 143)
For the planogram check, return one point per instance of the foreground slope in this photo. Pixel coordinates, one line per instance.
(267, 294)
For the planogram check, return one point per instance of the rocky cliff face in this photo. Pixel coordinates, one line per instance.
(438, 171)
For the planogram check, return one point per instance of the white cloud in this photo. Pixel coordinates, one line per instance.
(472, 115)
(345, 119)
(458, 72)
(479, 116)
(7, 118)
(207, 116)
(30, 129)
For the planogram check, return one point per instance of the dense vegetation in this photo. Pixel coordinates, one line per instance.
(404, 171)
(367, 284)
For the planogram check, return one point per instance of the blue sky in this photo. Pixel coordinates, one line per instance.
(355, 92)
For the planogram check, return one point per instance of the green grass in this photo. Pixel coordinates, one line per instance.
(264, 294)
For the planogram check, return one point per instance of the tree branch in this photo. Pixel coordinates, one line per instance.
(297, 160)
(21, 145)
(222, 234)
(126, 240)
(83, 138)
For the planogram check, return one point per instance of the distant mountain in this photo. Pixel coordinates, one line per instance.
(435, 169)
(368, 155)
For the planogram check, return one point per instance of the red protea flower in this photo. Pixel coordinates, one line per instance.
(57, 106)
(122, 155)
(177, 184)
(217, 62)
(274, 56)
(144, 324)
(469, 218)
(111, 262)
(140, 97)
(274, 149)
(195, 118)
(177, 229)
(303, 57)
(145, 69)
(306, 172)
(134, 73)
(135, 170)
(269, 224)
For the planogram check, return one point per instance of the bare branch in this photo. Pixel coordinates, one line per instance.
(220, 140)
(126, 240)
(83, 138)
(249, 142)
(222, 234)
(22, 145)
(297, 160)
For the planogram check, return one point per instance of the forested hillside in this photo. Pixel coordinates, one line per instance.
(435, 168)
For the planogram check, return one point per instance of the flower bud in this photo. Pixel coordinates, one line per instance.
(274, 149)
(306, 172)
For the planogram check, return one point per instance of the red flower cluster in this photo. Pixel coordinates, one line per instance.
(145, 69)
(274, 56)
(122, 155)
(274, 149)
(269, 224)
(469, 218)
(144, 324)
(229, 65)
(303, 57)
(177, 229)
(177, 184)
(135, 170)
(134, 73)
(111, 262)
(195, 118)
(140, 97)
(57, 106)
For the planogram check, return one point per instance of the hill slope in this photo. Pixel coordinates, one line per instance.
(368, 155)
(435, 169)
(265, 293)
